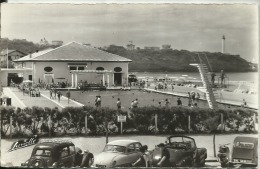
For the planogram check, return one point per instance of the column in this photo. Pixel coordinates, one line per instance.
(108, 80)
(72, 80)
(113, 79)
(103, 79)
(76, 80)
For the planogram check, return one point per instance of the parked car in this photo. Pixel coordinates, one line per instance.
(132, 78)
(52, 154)
(245, 151)
(119, 153)
(183, 152)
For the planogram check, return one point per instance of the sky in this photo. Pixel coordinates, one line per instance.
(188, 27)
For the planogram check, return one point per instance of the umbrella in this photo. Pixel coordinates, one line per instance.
(27, 81)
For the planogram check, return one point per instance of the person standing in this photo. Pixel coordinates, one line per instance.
(172, 87)
(68, 95)
(167, 103)
(165, 160)
(141, 162)
(147, 156)
(222, 77)
(179, 103)
(59, 95)
(99, 101)
(132, 104)
(50, 93)
(55, 93)
(118, 104)
(213, 78)
(87, 159)
(136, 103)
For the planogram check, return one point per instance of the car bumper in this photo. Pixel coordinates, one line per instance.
(243, 163)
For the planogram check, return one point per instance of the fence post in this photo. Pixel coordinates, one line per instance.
(189, 123)
(155, 121)
(254, 121)
(121, 127)
(222, 122)
(86, 124)
(11, 125)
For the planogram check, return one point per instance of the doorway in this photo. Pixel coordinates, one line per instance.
(118, 79)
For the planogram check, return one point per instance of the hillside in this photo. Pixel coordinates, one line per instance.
(179, 60)
(22, 45)
(153, 61)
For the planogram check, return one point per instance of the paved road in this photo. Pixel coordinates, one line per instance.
(96, 145)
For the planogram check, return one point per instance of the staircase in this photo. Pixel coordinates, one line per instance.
(207, 87)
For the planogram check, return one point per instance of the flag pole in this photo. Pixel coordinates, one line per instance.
(7, 58)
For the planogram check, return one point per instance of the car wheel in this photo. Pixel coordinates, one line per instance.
(38, 163)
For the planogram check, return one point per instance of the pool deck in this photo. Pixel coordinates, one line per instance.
(24, 100)
(223, 97)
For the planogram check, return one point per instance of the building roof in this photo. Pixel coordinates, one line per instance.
(34, 55)
(4, 52)
(74, 52)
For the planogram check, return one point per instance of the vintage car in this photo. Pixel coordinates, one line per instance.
(118, 153)
(132, 78)
(244, 151)
(183, 152)
(50, 154)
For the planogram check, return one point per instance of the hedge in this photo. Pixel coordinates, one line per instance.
(172, 120)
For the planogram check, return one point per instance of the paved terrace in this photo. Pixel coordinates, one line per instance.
(24, 100)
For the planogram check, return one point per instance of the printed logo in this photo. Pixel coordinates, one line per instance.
(24, 143)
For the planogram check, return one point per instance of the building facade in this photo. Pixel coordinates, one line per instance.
(11, 54)
(74, 63)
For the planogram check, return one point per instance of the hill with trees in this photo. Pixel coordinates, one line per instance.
(147, 60)
(169, 60)
(22, 45)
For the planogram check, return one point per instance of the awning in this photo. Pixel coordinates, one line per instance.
(77, 63)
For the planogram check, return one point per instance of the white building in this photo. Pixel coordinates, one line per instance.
(75, 62)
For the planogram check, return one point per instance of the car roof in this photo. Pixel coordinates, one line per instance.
(50, 145)
(180, 136)
(122, 142)
(245, 138)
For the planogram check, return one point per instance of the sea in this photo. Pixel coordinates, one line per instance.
(232, 76)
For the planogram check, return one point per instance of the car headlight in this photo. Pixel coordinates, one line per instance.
(55, 164)
(114, 163)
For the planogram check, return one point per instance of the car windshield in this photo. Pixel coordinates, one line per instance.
(43, 152)
(244, 145)
(114, 148)
(182, 142)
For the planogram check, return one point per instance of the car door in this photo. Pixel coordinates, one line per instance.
(133, 151)
(66, 157)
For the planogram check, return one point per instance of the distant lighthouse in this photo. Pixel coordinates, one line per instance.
(223, 44)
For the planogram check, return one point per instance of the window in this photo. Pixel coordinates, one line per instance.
(65, 152)
(137, 146)
(73, 68)
(117, 69)
(81, 68)
(100, 68)
(43, 152)
(48, 69)
(131, 148)
(72, 149)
